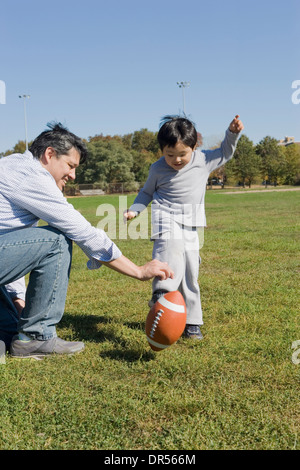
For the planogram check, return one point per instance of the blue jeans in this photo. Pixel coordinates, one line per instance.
(46, 254)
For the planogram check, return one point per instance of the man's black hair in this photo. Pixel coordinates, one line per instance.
(174, 129)
(61, 139)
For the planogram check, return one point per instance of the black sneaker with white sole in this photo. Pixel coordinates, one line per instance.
(155, 296)
(193, 332)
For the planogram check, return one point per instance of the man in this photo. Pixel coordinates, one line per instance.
(31, 187)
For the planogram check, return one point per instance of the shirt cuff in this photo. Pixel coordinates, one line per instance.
(94, 263)
(17, 289)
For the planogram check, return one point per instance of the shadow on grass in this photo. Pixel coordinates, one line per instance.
(135, 325)
(128, 355)
(87, 329)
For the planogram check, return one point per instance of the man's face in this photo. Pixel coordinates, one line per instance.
(62, 168)
(178, 156)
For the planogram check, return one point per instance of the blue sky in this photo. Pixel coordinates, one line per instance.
(112, 67)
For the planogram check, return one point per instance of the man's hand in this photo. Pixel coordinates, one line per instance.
(155, 268)
(236, 126)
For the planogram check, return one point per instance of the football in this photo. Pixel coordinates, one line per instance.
(166, 321)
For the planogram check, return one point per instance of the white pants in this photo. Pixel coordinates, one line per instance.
(180, 249)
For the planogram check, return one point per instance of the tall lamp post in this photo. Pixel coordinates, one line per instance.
(183, 85)
(25, 118)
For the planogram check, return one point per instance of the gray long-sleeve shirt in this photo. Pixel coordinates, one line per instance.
(180, 194)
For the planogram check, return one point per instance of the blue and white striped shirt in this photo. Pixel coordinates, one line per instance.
(28, 192)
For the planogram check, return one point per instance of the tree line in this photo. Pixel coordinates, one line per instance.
(127, 158)
(266, 162)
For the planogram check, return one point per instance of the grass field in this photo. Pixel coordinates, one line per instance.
(236, 389)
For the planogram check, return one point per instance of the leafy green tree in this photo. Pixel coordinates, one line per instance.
(245, 165)
(127, 141)
(141, 164)
(106, 138)
(108, 162)
(145, 152)
(273, 159)
(292, 169)
(145, 140)
(19, 147)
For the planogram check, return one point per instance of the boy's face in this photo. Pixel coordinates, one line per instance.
(178, 156)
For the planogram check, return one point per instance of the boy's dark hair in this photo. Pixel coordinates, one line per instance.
(174, 129)
(61, 139)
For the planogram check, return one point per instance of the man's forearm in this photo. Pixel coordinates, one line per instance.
(124, 266)
(149, 270)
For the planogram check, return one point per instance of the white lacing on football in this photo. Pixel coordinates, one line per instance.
(155, 323)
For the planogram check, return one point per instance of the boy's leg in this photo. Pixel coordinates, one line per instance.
(190, 288)
(45, 253)
(182, 255)
(190, 285)
(172, 252)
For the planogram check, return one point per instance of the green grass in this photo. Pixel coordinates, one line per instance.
(237, 389)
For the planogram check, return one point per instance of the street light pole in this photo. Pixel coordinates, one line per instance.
(25, 118)
(183, 85)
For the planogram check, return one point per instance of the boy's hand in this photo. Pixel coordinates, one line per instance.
(19, 304)
(236, 126)
(128, 215)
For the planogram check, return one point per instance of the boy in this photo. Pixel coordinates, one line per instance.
(176, 184)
